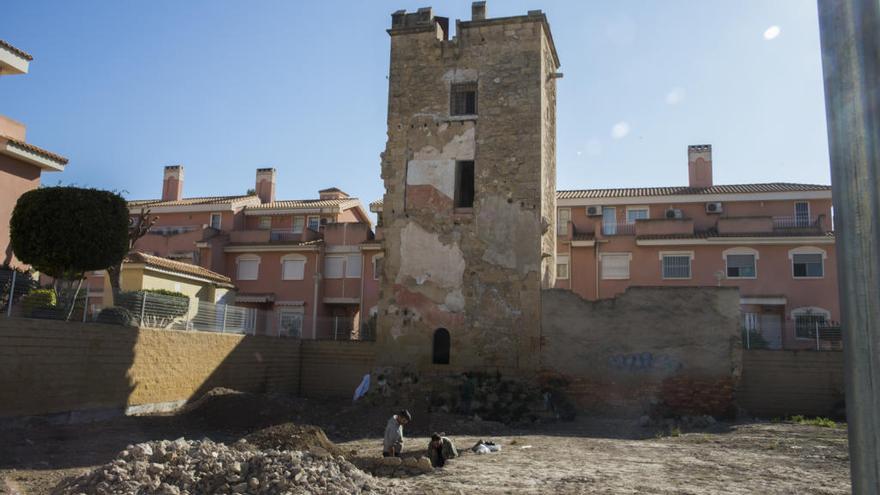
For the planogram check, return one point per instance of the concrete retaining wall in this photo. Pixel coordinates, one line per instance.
(784, 383)
(50, 367)
(671, 349)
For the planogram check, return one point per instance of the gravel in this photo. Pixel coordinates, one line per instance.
(182, 467)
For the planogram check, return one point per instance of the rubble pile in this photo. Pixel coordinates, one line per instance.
(183, 467)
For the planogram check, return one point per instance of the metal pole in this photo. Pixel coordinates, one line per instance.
(850, 37)
(225, 308)
(817, 335)
(86, 303)
(143, 308)
(11, 295)
(748, 338)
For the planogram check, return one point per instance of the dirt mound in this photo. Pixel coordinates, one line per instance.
(223, 408)
(291, 436)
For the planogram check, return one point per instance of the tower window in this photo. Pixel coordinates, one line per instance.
(441, 346)
(463, 99)
(464, 184)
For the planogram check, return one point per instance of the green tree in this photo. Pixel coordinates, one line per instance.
(67, 231)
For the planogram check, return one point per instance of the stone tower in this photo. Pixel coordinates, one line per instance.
(470, 180)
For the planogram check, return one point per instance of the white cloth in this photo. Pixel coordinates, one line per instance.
(362, 389)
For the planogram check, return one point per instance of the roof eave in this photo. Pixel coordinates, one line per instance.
(46, 163)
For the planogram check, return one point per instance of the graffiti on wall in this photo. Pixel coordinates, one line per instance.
(644, 361)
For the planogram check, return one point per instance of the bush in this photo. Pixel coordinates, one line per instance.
(754, 340)
(37, 301)
(166, 303)
(116, 316)
(66, 231)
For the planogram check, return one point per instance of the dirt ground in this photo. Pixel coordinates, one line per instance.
(584, 456)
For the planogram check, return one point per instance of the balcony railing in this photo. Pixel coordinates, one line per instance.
(609, 229)
(174, 229)
(795, 222)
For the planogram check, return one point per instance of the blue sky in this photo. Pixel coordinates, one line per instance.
(125, 88)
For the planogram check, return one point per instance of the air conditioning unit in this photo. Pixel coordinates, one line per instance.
(594, 211)
(714, 207)
(674, 213)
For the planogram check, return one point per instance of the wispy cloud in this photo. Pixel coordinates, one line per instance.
(619, 130)
(675, 96)
(772, 32)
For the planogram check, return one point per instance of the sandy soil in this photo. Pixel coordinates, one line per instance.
(585, 456)
(746, 459)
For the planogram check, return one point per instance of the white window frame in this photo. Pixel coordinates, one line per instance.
(219, 220)
(807, 250)
(562, 229)
(644, 208)
(563, 259)
(348, 264)
(246, 257)
(808, 311)
(375, 260)
(602, 257)
(341, 258)
(268, 225)
(302, 226)
(309, 222)
(741, 251)
(286, 312)
(292, 258)
(689, 254)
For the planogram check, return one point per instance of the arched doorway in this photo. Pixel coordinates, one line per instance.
(441, 346)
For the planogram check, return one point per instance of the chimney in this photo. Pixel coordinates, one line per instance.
(478, 11)
(172, 183)
(332, 193)
(700, 165)
(266, 184)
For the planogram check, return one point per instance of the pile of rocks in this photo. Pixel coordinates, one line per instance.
(182, 467)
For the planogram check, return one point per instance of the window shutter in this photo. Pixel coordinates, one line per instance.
(293, 270)
(353, 266)
(248, 269)
(615, 266)
(333, 266)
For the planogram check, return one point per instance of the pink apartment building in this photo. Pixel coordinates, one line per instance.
(308, 263)
(774, 241)
(21, 163)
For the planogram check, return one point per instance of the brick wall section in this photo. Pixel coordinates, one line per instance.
(669, 349)
(784, 383)
(334, 369)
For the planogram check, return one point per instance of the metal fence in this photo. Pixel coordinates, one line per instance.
(22, 296)
(817, 335)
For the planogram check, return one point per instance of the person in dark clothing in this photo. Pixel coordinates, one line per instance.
(440, 449)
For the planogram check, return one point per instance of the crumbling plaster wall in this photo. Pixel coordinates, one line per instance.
(476, 272)
(668, 349)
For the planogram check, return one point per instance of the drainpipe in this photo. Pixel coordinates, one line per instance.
(317, 276)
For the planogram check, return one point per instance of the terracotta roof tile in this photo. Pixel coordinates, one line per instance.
(685, 190)
(707, 235)
(210, 200)
(35, 149)
(176, 266)
(677, 190)
(21, 53)
(290, 204)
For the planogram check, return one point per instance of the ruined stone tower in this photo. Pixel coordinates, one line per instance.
(470, 179)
